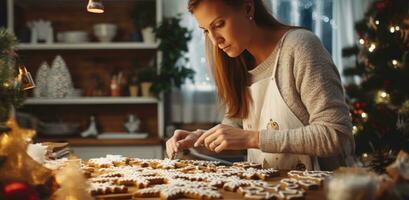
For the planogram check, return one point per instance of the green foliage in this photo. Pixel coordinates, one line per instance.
(8, 43)
(384, 67)
(11, 93)
(147, 74)
(173, 44)
(133, 75)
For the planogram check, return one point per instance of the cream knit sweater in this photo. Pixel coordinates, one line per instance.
(310, 85)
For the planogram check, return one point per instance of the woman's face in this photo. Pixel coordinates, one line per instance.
(227, 27)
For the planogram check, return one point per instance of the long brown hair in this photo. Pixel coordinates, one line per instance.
(230, 74)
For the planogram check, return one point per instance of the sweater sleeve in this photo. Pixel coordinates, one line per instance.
(318, 83)
(234, 122)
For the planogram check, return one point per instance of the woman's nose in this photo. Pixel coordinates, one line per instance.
(215, 38)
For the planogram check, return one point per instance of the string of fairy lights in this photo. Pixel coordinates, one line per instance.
(381, 96)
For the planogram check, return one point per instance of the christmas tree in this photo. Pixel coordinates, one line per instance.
(11, 92)
(379, 102)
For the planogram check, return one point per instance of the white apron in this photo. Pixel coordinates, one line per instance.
(269, 111)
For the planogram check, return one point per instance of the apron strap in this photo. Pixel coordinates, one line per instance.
(279, 51)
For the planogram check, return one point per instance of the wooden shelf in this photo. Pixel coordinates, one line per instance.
(89, 59)
(72, 3)
(97, 142)
(94, 45)
(91, 100)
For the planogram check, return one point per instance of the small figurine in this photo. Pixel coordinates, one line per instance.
(132, 125)
(92, 130)
(41, 30)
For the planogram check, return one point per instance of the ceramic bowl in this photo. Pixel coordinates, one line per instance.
(105, 32)
(73, 37)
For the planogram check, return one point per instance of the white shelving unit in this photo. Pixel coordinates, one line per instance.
(91, 100)
(86, 150)
(94, 45)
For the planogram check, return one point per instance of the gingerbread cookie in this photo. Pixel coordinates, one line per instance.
(306, 184)
(317, 176)
(232, 184)
(178, 189)
(262, 196)
(263, 174)
(247, 165)
(106, 188)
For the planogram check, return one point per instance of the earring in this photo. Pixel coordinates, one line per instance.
(251, 18)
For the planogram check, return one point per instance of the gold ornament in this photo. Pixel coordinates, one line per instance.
(17, 164)
(382, 97)
(25, 79)
(73, 184)
(404, 109)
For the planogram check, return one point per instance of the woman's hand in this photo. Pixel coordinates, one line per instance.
(223, 137)
(180, 140)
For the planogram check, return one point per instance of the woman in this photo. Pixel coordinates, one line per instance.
(279, 82)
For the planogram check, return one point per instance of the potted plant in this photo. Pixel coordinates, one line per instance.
(133, 84)
(147, 76)
(133, 80)
(174, 40)
(143, 16)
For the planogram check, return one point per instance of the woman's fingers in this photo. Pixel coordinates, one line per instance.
(205, 134)
(221, 147)
(171, 144)
(181, 139)
(180, 134)
(215, 143)
(185, 143)
(169, 148)
(211, 138)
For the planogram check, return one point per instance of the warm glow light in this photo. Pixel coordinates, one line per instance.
(354, 130)
(95, 6)
(397, 28)
(6, 84)
(365, 155)
(395, 62)
(372, 47)
(377, 22)
(95, 10)
(392, 29)
(364, 115)
(361, 41)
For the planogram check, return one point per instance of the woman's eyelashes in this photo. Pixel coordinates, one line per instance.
(217, 25)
